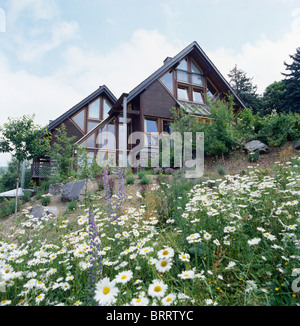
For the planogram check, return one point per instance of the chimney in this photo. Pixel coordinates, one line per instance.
(167, 60)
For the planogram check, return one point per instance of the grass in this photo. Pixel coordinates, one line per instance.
(230, 241)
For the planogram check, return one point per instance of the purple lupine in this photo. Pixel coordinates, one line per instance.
(108, 193)
(121, 192)
(95, 268)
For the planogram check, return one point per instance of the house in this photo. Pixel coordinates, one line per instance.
(185, 80)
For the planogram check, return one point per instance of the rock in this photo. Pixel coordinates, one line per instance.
(256, 146)
(297, 146)
(40, 211)
(55, 189)
(73, 191)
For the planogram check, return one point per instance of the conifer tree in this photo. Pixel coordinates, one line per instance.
(292, 82)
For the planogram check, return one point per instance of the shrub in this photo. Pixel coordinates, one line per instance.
(145, 180)
(45, 200)
(221, 170)
(8, 208)
(26, 197)
(130, 180)
(72, 206)
(142, 174)
(253, 156)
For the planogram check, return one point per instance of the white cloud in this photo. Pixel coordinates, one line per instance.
(263, 60)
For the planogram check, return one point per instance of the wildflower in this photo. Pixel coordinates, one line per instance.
(193, 238)
(254, 241)
(184, 256)
(157, 289)
(141, 301)
(187, 274)
(163, 265)
(207, 236)
(210, 302)
(166, 253)
(39, 298)
(124, 277)
(169, 299)
(5, 303)
(269, 236)
(230, 265)
(217, 242)
(145, 250)
(106, 292)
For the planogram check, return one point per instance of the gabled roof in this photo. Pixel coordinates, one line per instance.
(101, 90)
(170, 62)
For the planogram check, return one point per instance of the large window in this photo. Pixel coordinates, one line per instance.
(151, 132)
(106, 108)
(79, 118)
(94, 109)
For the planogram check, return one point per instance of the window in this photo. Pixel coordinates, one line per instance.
(106, 108)
(182, 93)
(79, 118)
(168, 126)
(94, 109)
(92, 125)
(211, 90)
(91, 141)
(197, 96)
(151, 126)
(196, 75)
(151, 131)
(167, 79)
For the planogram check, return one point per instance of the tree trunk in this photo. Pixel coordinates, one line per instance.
(17, 189)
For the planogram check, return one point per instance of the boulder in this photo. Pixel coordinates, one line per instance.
(297, 146)
(55, 189)
(40, 211)
(257, 146)
(73, 191)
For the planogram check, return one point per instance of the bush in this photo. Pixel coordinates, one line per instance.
(8, 208)
(72, 206)
(221, 170)
(142, 174)
(145, 180)
(130, 180)
(26, 197)
(253, 156)
(45, 200)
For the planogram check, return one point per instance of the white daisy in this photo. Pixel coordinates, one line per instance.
(106, 292)
(124, 277)
(157, 289)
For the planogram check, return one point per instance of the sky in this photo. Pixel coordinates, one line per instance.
(54, 53)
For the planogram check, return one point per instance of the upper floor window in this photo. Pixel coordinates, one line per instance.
(94, 109)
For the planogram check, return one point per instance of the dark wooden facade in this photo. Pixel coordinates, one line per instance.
(186, 80)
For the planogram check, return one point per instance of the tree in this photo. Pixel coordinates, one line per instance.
(62, 153)
(274, 97)
(244, 89)
(24, 140)
(292, 82)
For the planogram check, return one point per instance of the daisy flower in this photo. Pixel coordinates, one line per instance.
(106, 292)
(187, 274)
(207, 236)
(157, 289)
(184, 256)
(163, 265)
(169, 299)
(254, 241)
(166, 253)
(142, 301)
(39, 298)
(124, 277)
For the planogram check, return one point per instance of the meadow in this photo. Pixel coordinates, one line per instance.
(231, 241)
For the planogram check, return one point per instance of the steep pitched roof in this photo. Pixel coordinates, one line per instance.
(170, 62)
(101, 90)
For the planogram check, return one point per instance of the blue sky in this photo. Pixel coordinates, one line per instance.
(53, 53)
